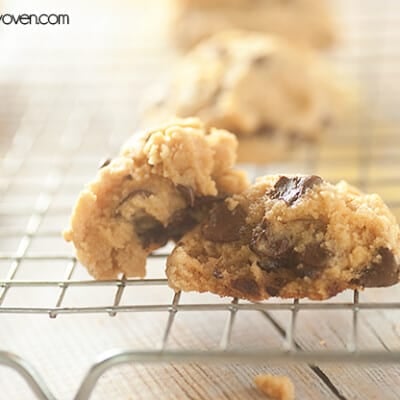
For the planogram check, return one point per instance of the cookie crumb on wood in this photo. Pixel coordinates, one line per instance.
(275, 387)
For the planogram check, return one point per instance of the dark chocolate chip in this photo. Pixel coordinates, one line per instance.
(217, 274)
(385, 272)
(104, 163)
(264, 244)
(182, 221)
(188, 194)
(289, 260)
(309, 271)
(291, 189)
(208, 201)
(274, 253)
(314, 255)
(279, 252)
(269, 265)
(246, 285)
(293, 261)
(223, 225)
(149, 230)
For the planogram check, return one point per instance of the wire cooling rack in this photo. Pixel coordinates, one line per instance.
(54, 134)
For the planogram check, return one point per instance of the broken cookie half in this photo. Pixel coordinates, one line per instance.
(161, 185)
(292, 237)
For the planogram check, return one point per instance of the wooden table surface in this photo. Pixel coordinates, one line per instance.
(69, 96)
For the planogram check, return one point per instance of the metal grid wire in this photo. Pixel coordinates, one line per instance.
(44, 167)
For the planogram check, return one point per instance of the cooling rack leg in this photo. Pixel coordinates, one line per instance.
(28, 373)
(108, 361)
(354, 337)
(226, 335)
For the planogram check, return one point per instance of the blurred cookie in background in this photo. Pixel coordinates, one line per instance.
(272, 95)
(309, 22)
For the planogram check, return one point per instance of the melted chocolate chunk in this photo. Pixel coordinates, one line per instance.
(307, 271)
(291, 189)
(385, 272)
(292, 261)
(150, 230)
(187, 193)
(288, 260)
(224, 225)
(246, 285)
(105, 162)
(279, 252)
(314, 255)
(181, 222)
(208, 201)
(269, 264)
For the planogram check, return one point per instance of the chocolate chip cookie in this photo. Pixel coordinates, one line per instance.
(160, 186)
(292, 237)
(272, 95)
(308, 22)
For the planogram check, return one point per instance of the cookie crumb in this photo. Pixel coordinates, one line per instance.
(275, 387)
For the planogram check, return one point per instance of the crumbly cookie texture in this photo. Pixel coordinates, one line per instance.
(292, 237)
(271, 94)
(275, 387)
(159, 186)
(307, 22)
